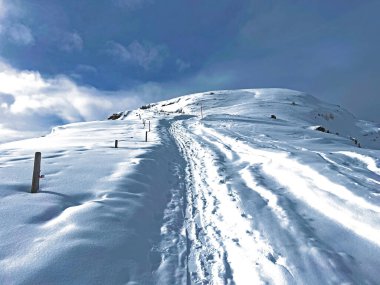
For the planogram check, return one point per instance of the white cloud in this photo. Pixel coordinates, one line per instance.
(20, 34)
(145, 55)
(71, 42)
(30, 102)
(182, 65)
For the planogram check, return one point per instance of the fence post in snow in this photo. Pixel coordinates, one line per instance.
(116, 143)
(149, 125)
(36, 173)
(146, 136)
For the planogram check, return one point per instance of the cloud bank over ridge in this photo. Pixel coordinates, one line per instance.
(31, 103)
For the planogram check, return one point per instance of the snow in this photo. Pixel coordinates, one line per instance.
(226, 196)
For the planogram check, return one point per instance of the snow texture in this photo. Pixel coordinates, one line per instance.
(221, 193)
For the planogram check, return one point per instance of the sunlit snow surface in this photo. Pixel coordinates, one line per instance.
(235, 197)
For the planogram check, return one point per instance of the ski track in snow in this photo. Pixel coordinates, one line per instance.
(233, 189)
(219, 231)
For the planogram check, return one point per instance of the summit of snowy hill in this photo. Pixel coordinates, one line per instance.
(254, 186)
(290, 108)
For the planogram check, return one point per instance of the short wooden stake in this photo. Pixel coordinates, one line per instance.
(116, 143)
(146, 136)
(36, 173)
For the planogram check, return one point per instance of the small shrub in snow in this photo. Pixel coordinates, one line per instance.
(144, 107)
(273, 116)
(115, 116)
(168, 104)
(354, 140)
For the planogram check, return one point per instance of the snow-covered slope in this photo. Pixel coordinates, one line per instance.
(220, 194)
(292, 109)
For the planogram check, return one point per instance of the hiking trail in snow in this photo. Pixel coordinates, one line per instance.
(235, 197)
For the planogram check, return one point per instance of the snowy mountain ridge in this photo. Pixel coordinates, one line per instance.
(222, 192)
(294, 107)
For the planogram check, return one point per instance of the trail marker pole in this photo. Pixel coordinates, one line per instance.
(36, 173)
(149, 125)
(146, 136)
(116, 143)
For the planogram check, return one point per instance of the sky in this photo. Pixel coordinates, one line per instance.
(68, 61)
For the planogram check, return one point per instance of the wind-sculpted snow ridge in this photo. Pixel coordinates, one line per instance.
(220, 194)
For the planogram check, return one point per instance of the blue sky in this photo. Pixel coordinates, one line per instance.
(107, 53)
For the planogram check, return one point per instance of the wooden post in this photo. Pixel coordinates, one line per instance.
(144, 123)
(146, 136)
(149, 125)
(36, 173)
(116, 143)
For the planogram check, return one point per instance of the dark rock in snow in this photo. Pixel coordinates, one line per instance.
(148, 106)
(321, 129)
(115, 116)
